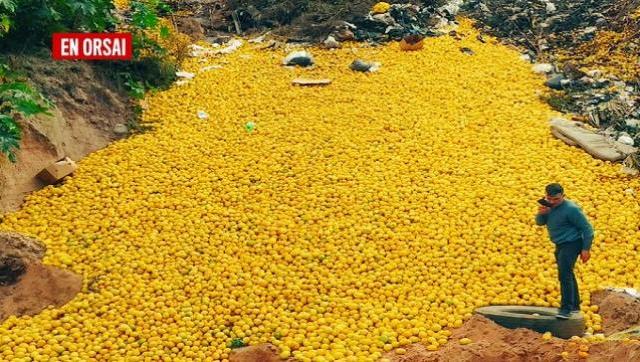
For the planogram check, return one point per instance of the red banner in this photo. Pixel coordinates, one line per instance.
(92, 46)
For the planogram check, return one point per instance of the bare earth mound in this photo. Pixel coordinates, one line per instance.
(261, 353)
(26, 285)
(619, 311)
(40, 287)
(490, 343)
(18, 245)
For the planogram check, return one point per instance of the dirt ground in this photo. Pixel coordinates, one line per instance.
(88, 108)
(618, 311)
(306, 20)
(493, 343)
(41, 286)
(38, 286)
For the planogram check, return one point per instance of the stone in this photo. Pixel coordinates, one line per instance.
(555, 82)
(300, 58)
(120, 129)
(362, 66)
(331, 43)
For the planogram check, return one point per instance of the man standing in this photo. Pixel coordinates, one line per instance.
(572, 234)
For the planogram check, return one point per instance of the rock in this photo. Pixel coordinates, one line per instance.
(572, 71)
(79, 95)
(362, 66)
(300, 57)
(542, 68)
(555, 82)
(120, 129)
(344, 32)
(331, 43)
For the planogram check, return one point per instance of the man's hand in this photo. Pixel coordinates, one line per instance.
(585, 255)
(542, 210)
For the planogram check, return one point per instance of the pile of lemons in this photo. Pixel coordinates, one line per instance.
(349, 220)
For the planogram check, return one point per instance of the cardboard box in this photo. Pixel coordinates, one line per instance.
(57, 171)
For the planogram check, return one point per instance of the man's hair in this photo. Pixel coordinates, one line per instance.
(554, 189)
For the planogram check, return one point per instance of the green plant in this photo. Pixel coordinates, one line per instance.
(7, 9)
(16, 98)
(237, 343)
(31, 22)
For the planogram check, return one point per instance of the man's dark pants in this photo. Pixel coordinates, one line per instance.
(566, 256)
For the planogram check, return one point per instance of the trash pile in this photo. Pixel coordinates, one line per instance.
(545, 26)
(387, 22)
(314, 20)
(589, 51)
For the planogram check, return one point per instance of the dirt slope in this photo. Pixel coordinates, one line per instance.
(88, 108)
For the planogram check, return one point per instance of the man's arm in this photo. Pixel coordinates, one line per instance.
(542, 216)
(541, 219)
(578, 219)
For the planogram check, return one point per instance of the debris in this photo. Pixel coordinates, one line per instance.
(300, 57)
(58, 171)
(310, 82)
(526, 58)
(203, 115)
(412, 42)
(401, 20)
(186, 75)
(625, 139)
(467, 51)
(231, 47)
(210, 67)
(541, 68)
(362, 66)
(259, 39)
(331, 43)
(200, 51)
(596, 145)
(550, 7)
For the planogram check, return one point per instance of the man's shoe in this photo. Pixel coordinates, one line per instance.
(577, 311)
(563, 314)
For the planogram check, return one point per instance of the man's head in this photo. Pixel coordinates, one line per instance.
(555, 194)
